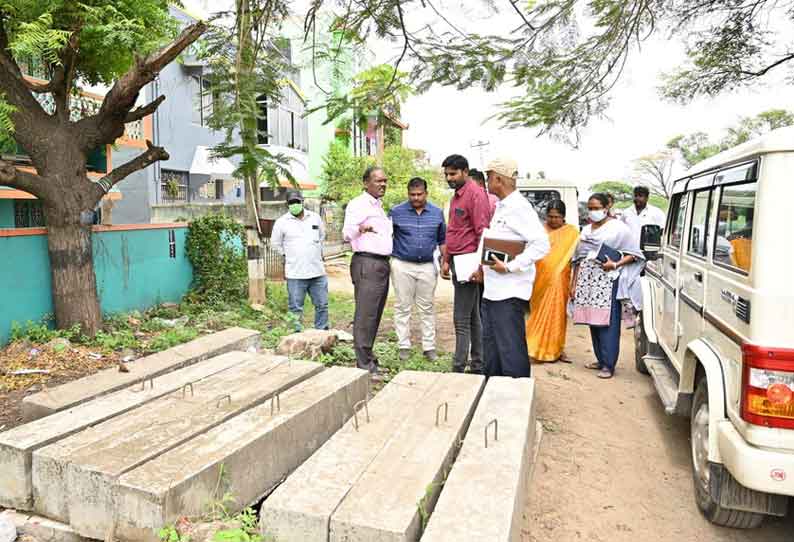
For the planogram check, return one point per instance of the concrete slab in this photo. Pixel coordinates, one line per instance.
(80, 470)
(299, 510)
(17, 445)
(245, 457)
(402, 483)
(42, 529)
(73, 393)
(486, 493)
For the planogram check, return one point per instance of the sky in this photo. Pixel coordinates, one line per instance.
(444, 121)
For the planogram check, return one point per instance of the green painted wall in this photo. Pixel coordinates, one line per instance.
(133, 270)
(6, 213)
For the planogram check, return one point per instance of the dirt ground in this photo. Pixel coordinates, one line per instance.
(612, 465)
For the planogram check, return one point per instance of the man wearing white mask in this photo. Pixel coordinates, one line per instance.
(510, 247)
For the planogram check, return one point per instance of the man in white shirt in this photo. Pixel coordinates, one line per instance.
(299, 235)
(508, 286)
(641, 213)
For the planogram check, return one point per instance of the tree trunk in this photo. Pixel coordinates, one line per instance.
(74, 293)
(248, 134)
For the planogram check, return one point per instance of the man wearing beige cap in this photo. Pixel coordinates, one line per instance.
(510, 247)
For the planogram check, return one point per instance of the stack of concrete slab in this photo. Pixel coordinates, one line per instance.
(238, 422)
(79, 391)
(74, 478)
(380, 475)
(17, 445)
(485, 495)
(246, 457)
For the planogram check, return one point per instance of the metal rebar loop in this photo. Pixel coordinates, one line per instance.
(150, 380)
(221, 398)
(277, 406)
(356, 408)
(495, 424)
(185, 387)
(446, 411)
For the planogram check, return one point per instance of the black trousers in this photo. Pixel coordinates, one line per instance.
(504, 337)
(468, 327)
(371, 286)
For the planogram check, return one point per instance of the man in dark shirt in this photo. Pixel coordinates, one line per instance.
(469, 215)
(418, 228)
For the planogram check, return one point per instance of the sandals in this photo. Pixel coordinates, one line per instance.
(604, 373)
(594, 365)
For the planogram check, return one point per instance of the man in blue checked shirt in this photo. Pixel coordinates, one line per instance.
(418, 228)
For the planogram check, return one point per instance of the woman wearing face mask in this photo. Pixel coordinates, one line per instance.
(596, 285)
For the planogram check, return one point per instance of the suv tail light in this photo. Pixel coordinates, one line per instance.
(768, 386)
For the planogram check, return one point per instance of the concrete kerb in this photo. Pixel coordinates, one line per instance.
(497, 465)
(398, 490)
(98, 453)
(17, 444)
(255, 451)
(300, 509)
(73, 393)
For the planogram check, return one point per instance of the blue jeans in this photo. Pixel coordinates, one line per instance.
(318, 292)
(504, 337)
(606, 339)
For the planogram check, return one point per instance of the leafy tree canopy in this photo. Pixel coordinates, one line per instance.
(565, 56)
(342, 175)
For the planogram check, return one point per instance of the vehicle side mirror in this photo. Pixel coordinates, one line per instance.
(651, 241)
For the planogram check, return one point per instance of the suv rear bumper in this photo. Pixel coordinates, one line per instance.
(755, 468)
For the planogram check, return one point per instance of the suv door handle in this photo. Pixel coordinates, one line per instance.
(699, 276)
(674, 265)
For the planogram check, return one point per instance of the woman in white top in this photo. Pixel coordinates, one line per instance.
(595, 290)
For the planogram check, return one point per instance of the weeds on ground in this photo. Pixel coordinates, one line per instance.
(388, 353)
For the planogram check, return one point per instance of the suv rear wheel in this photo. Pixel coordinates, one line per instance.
(702, 469)
(640, 344)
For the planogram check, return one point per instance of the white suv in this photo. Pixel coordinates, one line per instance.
(717, 328)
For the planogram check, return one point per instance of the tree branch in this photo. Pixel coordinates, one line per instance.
(22, 180)
(144, 111)
(153, 154)
(108, 125)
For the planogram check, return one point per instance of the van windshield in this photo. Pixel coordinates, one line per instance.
(540, 199)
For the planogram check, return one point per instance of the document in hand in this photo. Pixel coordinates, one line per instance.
(466, 265)
(505, 250)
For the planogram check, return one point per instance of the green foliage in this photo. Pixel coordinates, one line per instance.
(620, 190)
(7, 143)
(116, 340)
(172, 337)
(248, 531)
(170, 534)
(215, 246)
(342, 175)
(43, 331)
(376, 91)
(694, 148)
(109, 33)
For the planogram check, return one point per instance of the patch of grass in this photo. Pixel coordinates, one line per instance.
(116, 340)
(172, 337)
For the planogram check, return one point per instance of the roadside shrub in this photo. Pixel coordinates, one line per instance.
(215, 246)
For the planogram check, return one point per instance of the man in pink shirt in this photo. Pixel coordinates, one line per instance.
(369, 232)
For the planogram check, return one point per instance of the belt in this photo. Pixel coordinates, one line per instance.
(371, 255)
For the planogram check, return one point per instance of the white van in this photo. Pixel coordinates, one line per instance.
(540, 192)
(716, 331)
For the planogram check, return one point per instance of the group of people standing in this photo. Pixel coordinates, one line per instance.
(522, 267)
